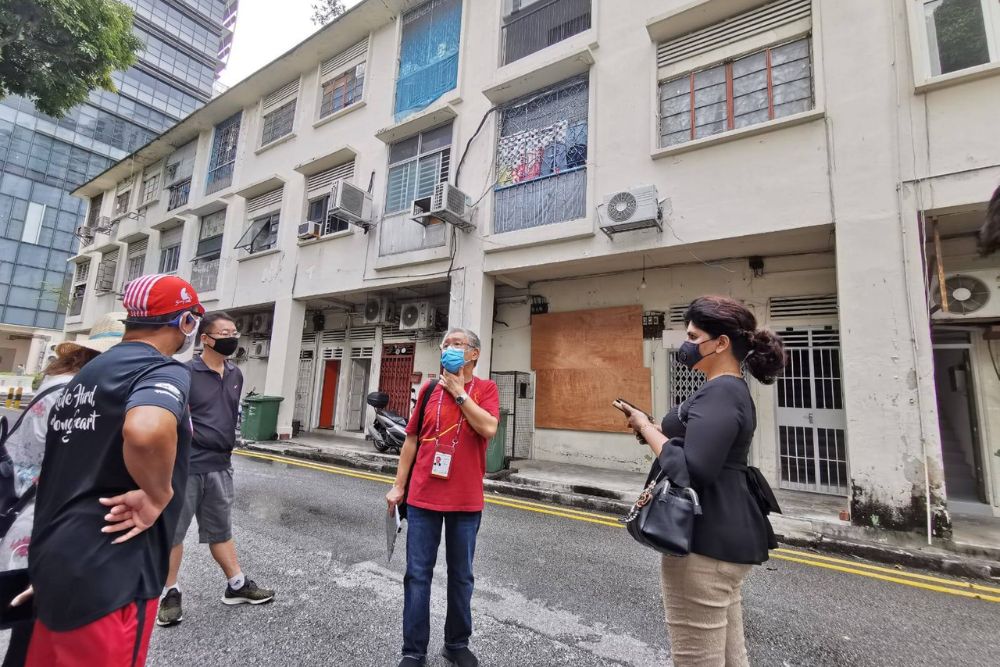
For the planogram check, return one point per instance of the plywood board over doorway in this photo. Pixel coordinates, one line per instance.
(583, 360)
(585, 339)
(580, 400)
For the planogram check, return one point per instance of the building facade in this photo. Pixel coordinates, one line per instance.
(563, 179)
(43, 159)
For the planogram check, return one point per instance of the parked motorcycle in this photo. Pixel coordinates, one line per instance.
(388, 430)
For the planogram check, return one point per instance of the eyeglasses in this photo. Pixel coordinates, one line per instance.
(459, 345)
(223, 334)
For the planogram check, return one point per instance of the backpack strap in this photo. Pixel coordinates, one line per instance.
(424, 399)
(6, 432)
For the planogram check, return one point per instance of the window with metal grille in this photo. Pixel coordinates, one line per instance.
(76, 301)
(319, 212)
(961, 34)
(762, 86)
(150, 188)
(532, 25)
(223, 159)
(416, 165)
(210, 234)
(106, 271)
(121, 202)
(95, 209)
(428, 54)
(541, 158)
(170, 258)
(135, 267)
(179, 194)
(343, 91)
(278, 123)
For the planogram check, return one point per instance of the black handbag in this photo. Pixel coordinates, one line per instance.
(663, 517)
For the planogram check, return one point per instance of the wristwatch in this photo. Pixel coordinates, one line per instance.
(461, 399)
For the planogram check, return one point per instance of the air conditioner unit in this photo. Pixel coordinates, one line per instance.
(379, 310)
(242, 323)
(446, 204)
(260, 323)
(631, 210)
(971, 295)
(416, 316)
(260, 349)
(310, 229)
(351, 203)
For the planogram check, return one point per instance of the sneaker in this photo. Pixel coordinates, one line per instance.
(249, 594)
(411, 662)
(170, 609)
(462, 657)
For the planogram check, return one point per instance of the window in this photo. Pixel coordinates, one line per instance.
(416, 165)
(79, 289)
(542, 158)
(179, 194)
(278, 123)
(106, 271)
(531, 25)
(329, 223)
(33, 223)
(961, 34)
(210, 234)
(150, 188)
(428, 60)
(261, 235)
(343, 91)
(756, 88)
(121, 202)
(170, 258)
(135, 267)
(220, 167)
(95, 210)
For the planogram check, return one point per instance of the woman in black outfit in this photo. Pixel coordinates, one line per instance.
(704, 444)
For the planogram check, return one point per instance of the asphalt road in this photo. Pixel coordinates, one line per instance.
(553, 587)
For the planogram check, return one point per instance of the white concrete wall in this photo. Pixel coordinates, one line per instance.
(883, 143)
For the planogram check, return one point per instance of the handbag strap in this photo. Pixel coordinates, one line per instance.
(428, 390)
(6, 432)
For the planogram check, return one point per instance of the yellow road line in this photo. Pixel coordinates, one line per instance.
(891, 571)
(517, 504)
(895, 580)
(912, 579)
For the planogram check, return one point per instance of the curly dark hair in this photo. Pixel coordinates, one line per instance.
(762, 349)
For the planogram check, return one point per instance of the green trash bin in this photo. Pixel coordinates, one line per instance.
(260, 417)
(495, 452)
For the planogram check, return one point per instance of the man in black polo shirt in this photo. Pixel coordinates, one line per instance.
(112, 483)
(216, 385)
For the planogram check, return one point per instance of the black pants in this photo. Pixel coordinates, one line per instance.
(17, 649)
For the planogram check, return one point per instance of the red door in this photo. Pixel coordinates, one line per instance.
(394, 379)
(328, 405)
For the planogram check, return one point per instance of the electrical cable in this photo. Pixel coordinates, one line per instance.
(465, 153)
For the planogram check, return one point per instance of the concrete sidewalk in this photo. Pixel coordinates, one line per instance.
(807, 519)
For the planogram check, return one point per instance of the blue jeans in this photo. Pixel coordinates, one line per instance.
(423, 536)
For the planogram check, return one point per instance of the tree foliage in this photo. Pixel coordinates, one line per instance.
(989, 233)
(54, 52)
(325, 11)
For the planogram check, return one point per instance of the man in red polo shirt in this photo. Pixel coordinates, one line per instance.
(446, 488)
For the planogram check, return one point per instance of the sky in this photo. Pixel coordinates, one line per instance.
(265, 29)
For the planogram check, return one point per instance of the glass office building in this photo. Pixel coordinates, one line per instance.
(43, 159)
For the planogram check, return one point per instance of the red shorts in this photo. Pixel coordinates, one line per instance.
(116, 640)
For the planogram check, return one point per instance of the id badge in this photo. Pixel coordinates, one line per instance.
(443, 455)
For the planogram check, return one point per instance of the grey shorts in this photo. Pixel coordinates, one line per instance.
(209, 497)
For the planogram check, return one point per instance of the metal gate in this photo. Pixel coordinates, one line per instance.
(394, 378)
(517, 398)
(304, 386)
(812, 437)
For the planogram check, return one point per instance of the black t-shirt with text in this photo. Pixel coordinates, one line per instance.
(79, 576)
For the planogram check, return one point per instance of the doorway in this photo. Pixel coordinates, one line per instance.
(396, 376)
(328, 401)
(360, 369)
(958, 421)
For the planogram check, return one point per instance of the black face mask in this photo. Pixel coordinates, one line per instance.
(225, 346)
(689, 353)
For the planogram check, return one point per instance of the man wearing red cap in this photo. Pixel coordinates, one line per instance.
(114, 472)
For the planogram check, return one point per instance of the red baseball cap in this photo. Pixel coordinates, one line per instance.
(159, 294)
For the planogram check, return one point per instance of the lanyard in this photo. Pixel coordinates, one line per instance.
(461, 418)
